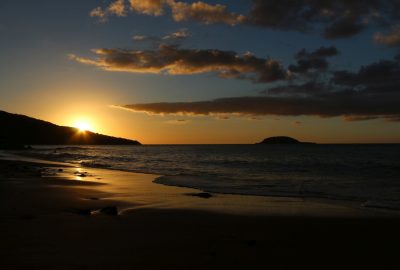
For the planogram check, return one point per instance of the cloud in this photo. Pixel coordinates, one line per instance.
(379, 77)
(335, 18)
(391, 39)
(148, 7)
(348, 104)
(180, 11)
(203, 12)
(178, 122)
(172, 60)
(332, 18)
(305, 89)
(98, 12)
(139, 37)
(172, 39)
(178, 35)
(373, 92)
(344, 28)
(116, 8)
(314, 61)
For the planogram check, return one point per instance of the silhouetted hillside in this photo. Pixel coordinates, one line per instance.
(19, 130)
(282, 140)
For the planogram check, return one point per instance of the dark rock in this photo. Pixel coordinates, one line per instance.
(84, 212)
(251, 243)
(80, 174)
(60, 170)
(109, 210)
(203, 195)
(282, 140)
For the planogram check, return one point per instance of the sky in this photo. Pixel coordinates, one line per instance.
(183, 72)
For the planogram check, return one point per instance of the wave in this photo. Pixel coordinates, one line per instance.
(356, 173)
(300, 189)
(93, 164)
(391, 205)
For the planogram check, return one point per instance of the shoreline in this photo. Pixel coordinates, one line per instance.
(44, 225)
(372, 195)
(153, 194)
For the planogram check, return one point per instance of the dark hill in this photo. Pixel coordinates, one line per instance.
(282, 140)
(19, 130)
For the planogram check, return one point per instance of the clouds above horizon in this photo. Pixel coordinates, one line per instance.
(308, 86)
(337, 18)
(348, 104)
(180, 11)
(371, 93)
(332, 18)
(309, 63)
(116, 8)
(173, 60)
(173, 39)
(391, 38)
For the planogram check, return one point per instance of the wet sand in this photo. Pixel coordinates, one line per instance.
(50, 219)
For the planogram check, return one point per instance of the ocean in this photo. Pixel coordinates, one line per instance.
(369, 174)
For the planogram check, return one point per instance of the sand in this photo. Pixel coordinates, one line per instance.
(45, 223)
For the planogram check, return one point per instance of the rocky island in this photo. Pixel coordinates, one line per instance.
(282, 140)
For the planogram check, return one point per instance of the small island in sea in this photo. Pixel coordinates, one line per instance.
(282, 140)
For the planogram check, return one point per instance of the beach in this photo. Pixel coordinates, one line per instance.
(59, 216)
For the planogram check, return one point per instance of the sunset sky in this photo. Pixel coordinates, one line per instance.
(174, 71)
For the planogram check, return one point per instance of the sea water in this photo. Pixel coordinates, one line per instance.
(366, 173)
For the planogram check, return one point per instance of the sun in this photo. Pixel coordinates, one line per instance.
(83, 125)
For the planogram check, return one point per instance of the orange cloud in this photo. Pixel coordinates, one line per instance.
(351, 106)
(148, 7)
(181, 11)
(173, 60)
(204, 13)
(389, 39)
(117, 8)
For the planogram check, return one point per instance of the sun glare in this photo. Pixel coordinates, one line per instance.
(83, 125)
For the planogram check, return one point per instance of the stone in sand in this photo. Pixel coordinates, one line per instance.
(109, 210)
(84, 212)
(203, 195)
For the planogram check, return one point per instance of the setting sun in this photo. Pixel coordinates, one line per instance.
(83, 125)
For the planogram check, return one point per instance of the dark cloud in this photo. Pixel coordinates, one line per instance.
(343, 28)
(382, 76)
(305, 89)
(332, 18)
(371, 93)
(349, 104)
(314, 61)
(174, 60)
(337, 18)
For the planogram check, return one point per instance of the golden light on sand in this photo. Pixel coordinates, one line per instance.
(83, 125)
